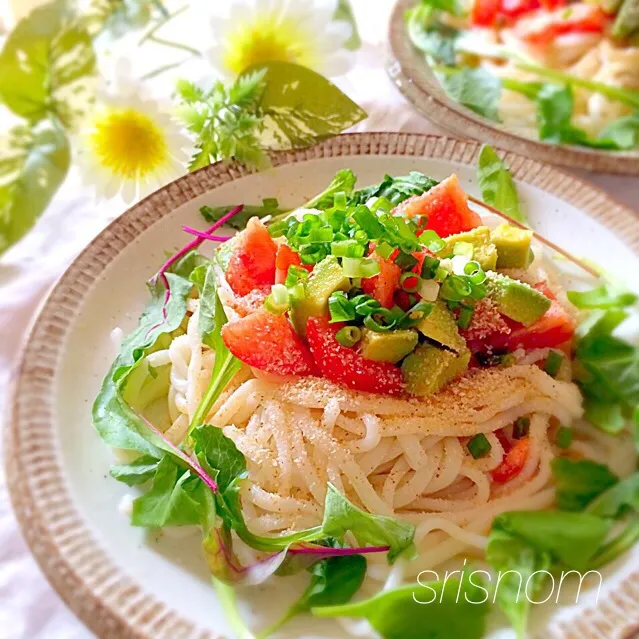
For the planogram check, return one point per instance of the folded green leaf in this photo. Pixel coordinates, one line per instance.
(436, 609)
(341, 516)
(497, 185)
(476, 89)
(47, 65)
(269, 206)
(617, 500)
(137, 472)
(520, 567)
(396, 189)
(34, 164)
(570, 538)
(579, 482)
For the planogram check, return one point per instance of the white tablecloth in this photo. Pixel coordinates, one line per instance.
(29, 609)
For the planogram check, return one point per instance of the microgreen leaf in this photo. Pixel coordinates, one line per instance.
(47, 65)
(497, 185)
(436, 609)
(476, 89)
(578, 482)
(137, 472)
(396, 189)
(35, 162)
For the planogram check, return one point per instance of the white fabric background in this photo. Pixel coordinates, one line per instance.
(29, 609)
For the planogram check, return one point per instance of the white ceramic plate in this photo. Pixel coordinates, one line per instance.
(125, 582)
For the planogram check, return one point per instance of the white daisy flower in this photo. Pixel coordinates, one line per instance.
(129, 143)
(300, 31)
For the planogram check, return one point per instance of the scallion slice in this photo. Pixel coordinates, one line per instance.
(521, 427)
(340, 308)
(553, 363)
(432, 241)
(414, 315)
(381, 320)
(479, 446)
(348, 248)
(429, 267)
(409, 282)
(360, 267)
(278, 302)
(406, 261)
(475, 272)
(348, 336)
(465, 317)
(428, 290)
(384, 250)
(294, 275)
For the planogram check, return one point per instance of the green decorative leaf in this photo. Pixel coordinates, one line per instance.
(47, 66)
(396, 189)
(477, 89)
(622, 133)
(137, 472)
(340, 516)
(116, 17)
(430, 610)
(300, 106)
(33, 165)
(344, 13)
(579, 482)
(497, 185)
(617, 500)
(270, 206)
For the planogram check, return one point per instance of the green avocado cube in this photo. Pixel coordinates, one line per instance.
(428, 368)
(441, 327)
(627, 20)
(387, 347)
(516, 300)
(484, 251)
(513, 246)
(326, 278)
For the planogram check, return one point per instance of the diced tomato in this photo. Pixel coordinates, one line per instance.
(269, 343)
(402, 299)
(383, 286)
(345, 366)
(553, 4)
(285, 258)
(543, 27)
(446, 206)
(252, 263)
(484, 12)
(487, 321)
(516, 8)
(503, 439)
(513, 462)
(246, 304)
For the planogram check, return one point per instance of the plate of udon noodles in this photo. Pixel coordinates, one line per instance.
(341, 397)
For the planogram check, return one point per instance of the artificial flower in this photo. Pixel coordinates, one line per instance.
(130, 144)
(300, 31)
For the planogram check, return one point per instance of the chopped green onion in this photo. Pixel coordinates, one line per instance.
(367, 307)
(478, 291)
(414, 315)
(432, 241)
(348, 336)
(464, 248)
(348, 248)
(384, 250)
(278, 301)
(340, 307)
(277, 229)
(339, 200)
(563, 437)
(294, 275)
(428, 290)
(479, 446)
(475, 272)
(521, 427)
(441, 274)
(321, 235)
(455, 288)
(465, 317)
(382, 203)
(429, 267)
(297, 292)
(553, 363)
(406, 261)
(409, 282)
(368, 221)
(360, 267)
(373, 322)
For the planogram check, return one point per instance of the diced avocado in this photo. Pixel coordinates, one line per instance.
(429, 367)
(387, 347)
(326, 278)
(513, 246)
(627, 21)
(516, 299)
(440, 326)
(484, 251)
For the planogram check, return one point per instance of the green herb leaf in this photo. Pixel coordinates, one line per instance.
(570, 538)
(623, 133)
(607, 416)
(620, 544)
(476, 89)
(343, 182)
(618, 499)
(171, 499)
(579, 482)
(269, 206)
(47, 64)
(497, 185)
(341, 516)
(601, 297)
(344, 13)
(137, 472)
(300, 107)
(445, 609)
(396, 189)
(516, 562)
(35, 161)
